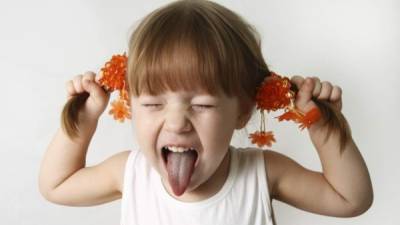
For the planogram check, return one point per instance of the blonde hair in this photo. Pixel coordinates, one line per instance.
(201, 45)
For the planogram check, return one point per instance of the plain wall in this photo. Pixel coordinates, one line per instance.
(352, 43)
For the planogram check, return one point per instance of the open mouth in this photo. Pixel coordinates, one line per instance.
(165, 151)
(180, 164)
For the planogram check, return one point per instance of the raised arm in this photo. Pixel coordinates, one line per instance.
(343, 188)
(64, 177)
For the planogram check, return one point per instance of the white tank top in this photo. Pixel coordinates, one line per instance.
(243, 199)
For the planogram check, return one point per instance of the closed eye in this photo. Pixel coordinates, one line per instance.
(151, 105)
(203, 106)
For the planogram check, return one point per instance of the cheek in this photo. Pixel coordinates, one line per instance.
(146, 138)
(143, 120)
(144, 126)
(217, 133)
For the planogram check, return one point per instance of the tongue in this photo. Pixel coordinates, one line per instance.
(180, 167)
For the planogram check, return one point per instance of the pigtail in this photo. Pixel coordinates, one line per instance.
(70, 114)
(335, 122)
(112, 78)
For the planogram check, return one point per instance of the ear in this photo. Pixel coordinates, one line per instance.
(243, 119)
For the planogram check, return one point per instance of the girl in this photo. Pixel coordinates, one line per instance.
(194, 68)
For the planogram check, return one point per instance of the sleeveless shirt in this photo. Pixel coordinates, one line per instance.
(243, 199)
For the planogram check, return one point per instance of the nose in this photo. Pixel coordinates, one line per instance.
(176, 121)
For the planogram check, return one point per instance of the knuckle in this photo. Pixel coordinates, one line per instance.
(89, 75)
(327, 83)
(77, 82)
(338, 89)
(317, 87)
(68, 85)
(336, 93)
(297, 78)
(315, 78)
(327, 86)
(77, 77)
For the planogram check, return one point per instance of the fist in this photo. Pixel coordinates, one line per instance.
(312, 87)
(98, 97)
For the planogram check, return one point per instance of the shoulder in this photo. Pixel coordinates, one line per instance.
(272, 164)
(275, 166)
(116, 164)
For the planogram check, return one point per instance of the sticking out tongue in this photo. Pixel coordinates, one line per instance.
(180, 167)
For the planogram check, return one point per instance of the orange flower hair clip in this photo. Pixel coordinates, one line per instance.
(112, 78)
(275, 93)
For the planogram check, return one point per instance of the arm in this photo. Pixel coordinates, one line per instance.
(64, 177)
(344, 187)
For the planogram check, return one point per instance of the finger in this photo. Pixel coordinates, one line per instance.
(94, 89)
(89, 75)
(297, 80)
(336, 94)
(317, 86)
(77, 81)
(69, 86)
(305, 93)
(98, 77)
(326, 91)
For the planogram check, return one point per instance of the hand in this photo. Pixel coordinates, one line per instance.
(98, 97)
(311, 87)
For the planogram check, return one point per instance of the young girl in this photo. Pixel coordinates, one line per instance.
(194, 68)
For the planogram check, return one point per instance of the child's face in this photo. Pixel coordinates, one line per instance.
(178, 118)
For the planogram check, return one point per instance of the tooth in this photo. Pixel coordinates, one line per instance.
(178, 149)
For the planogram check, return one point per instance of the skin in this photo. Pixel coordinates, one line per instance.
(198, 120)
(342, 189)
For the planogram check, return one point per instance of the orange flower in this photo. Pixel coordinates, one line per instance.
(113, 73)
(262, 138)
(123, 95)
(274, 93)
(120, 110)
(305, 120)
(113, 76)
(293, 115)
(311, 117)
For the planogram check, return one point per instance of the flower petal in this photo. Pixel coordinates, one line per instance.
(293, 115)
(311, 117)
(262, 138)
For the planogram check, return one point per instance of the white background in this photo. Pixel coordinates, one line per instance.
(352, 43)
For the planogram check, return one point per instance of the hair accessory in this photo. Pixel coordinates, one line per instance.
(276, 93)
(113, 77)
